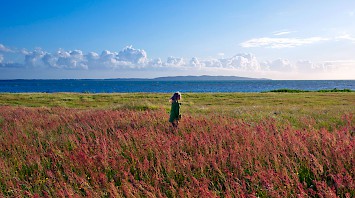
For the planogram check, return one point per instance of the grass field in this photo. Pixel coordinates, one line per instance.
(227, 145)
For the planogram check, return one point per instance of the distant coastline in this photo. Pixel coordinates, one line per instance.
(205, 78)
(189, 78)
(171, 78)
(165, 78)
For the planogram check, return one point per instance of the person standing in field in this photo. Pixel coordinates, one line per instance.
(175, 115)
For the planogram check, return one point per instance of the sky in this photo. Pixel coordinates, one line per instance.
(283, 40)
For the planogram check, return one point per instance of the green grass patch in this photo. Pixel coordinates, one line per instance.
(303, 91)
(336, 90)
(288, 91)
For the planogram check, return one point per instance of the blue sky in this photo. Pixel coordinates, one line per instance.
(138, 38)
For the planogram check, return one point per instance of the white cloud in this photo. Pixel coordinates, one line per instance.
(10, 64)
(92, 59)
(247, 62)
(92, 56)
(280, 33)
(306, 65)
(155, 63)
(24, 51)
(195, 62)
(4, 49)
(279, 65)
(108, 58)
(346, 37)
(129, 59)
(66, 60)
(175, 61)
(346, 65)
(212, 63)
(330, 66)
(126, 58)
(280, 42)
(74, 60)
(34, 58)
(243, 62)
(135, 56)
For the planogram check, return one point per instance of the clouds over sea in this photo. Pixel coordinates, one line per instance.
(131, 59)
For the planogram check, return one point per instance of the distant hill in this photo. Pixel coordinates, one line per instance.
(189, 78)
(205, 78)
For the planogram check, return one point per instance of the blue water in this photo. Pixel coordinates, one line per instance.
(112, 86)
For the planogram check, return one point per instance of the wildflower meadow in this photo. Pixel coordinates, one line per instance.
(248, 150)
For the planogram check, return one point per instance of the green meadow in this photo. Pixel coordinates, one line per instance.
(325, 109)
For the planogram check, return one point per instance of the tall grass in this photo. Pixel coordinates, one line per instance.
(325, 109)
(63, 152)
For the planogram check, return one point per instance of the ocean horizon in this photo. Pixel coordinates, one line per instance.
(161, 86)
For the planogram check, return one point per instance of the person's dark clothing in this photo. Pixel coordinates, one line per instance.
(175, 111)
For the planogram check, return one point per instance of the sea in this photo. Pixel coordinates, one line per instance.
(156, 86)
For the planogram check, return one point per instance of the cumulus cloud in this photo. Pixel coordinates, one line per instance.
(247, 62)
(243, 62)
(92, 56)
(66, 60)
(92, 60)
(130, 58)
(279, 65)
(268, 42)
(212, 63)
(175, 61)
(309, 66)
(306, 65)
(155, 63)
(135, 56)
(326, 66)
(346, 65)
(34, 58)
(109, 59)
(195, 62)
(126, 58)
(24, 51)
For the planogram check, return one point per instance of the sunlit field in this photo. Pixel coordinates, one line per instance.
(227, 145)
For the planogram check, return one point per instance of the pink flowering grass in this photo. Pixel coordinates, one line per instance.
(61, 152)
